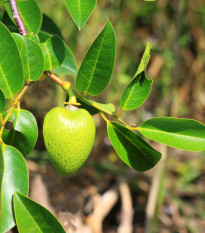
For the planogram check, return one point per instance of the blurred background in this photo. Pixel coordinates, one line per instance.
(171, 196)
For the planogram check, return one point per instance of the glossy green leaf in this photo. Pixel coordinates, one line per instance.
(35, 59)
(33, 37)
(2, 102)
(53, 51)
(69, 64)
(10, 64)
(185, 134)
(13, 177)
(145, 60)
(30, 13)
(132, 149)
(100, 107)
(34, 218)
(23, 52)
(24, 133)
(80, 10)
(136, 92)
(96, 69)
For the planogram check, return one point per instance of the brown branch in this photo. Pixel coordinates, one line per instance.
(17, 18)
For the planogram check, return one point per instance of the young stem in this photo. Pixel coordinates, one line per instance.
(16, 102)
(17, 18)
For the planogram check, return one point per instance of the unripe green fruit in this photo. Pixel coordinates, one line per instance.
(69, 135)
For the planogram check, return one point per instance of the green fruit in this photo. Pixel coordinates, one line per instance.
(69, 135)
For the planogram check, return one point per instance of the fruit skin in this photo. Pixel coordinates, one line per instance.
(69, 135)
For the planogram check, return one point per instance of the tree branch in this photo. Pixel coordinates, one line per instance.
(17, 18)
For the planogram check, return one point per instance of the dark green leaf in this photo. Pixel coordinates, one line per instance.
(8, 22)
(35, 59)
(24, 133)
(132, 149)
(50, 27)
(100, 107)
(13, 177)
(96, 69)
(10, 64)
(80, 10)
(30, 13)
(185, 134)
(53, 51)
(136, 92)
(69, 64)
(34, 218)
(2, 102)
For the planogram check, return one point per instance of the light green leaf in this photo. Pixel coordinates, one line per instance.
(96, 69)
(33, 37)
(10, 64)
(13, 177)
(145, 60)
(24, 133)
(80, 10)
(30, 13)
(69, 64)
(185, 134)
(34, 218)
(136, 92)
(23, 52)
(35, 59)
(132, 149)
(53, 51)
(2, 102)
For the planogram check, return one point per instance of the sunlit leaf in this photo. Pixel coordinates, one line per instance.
(132, 149)
(96, 69)
(185, 134)
(13, 177)
(136, 92)
(35, 59)
(24, 133)
(53, 51)
(80, 10)
(11, 68)
(34, 218)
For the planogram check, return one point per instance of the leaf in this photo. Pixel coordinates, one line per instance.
(132, 149)
(53, 51)
(23, 52)
(185, 134)
(50, 27)
(96, 69)
(34, 218)
(24, 133)
(136, 92)
(69, 64)
(35, 60)
(30, 13)
(80, 10)
(33, 37)
(2, 102)
(5, 19)
(10, 64)
(13, 177)
(100, 107)
(145, 60)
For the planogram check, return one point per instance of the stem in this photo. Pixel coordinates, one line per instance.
(55, 78)
(17, 18)
(16, 102)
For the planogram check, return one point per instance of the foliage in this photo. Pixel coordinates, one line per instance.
(26, 59)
